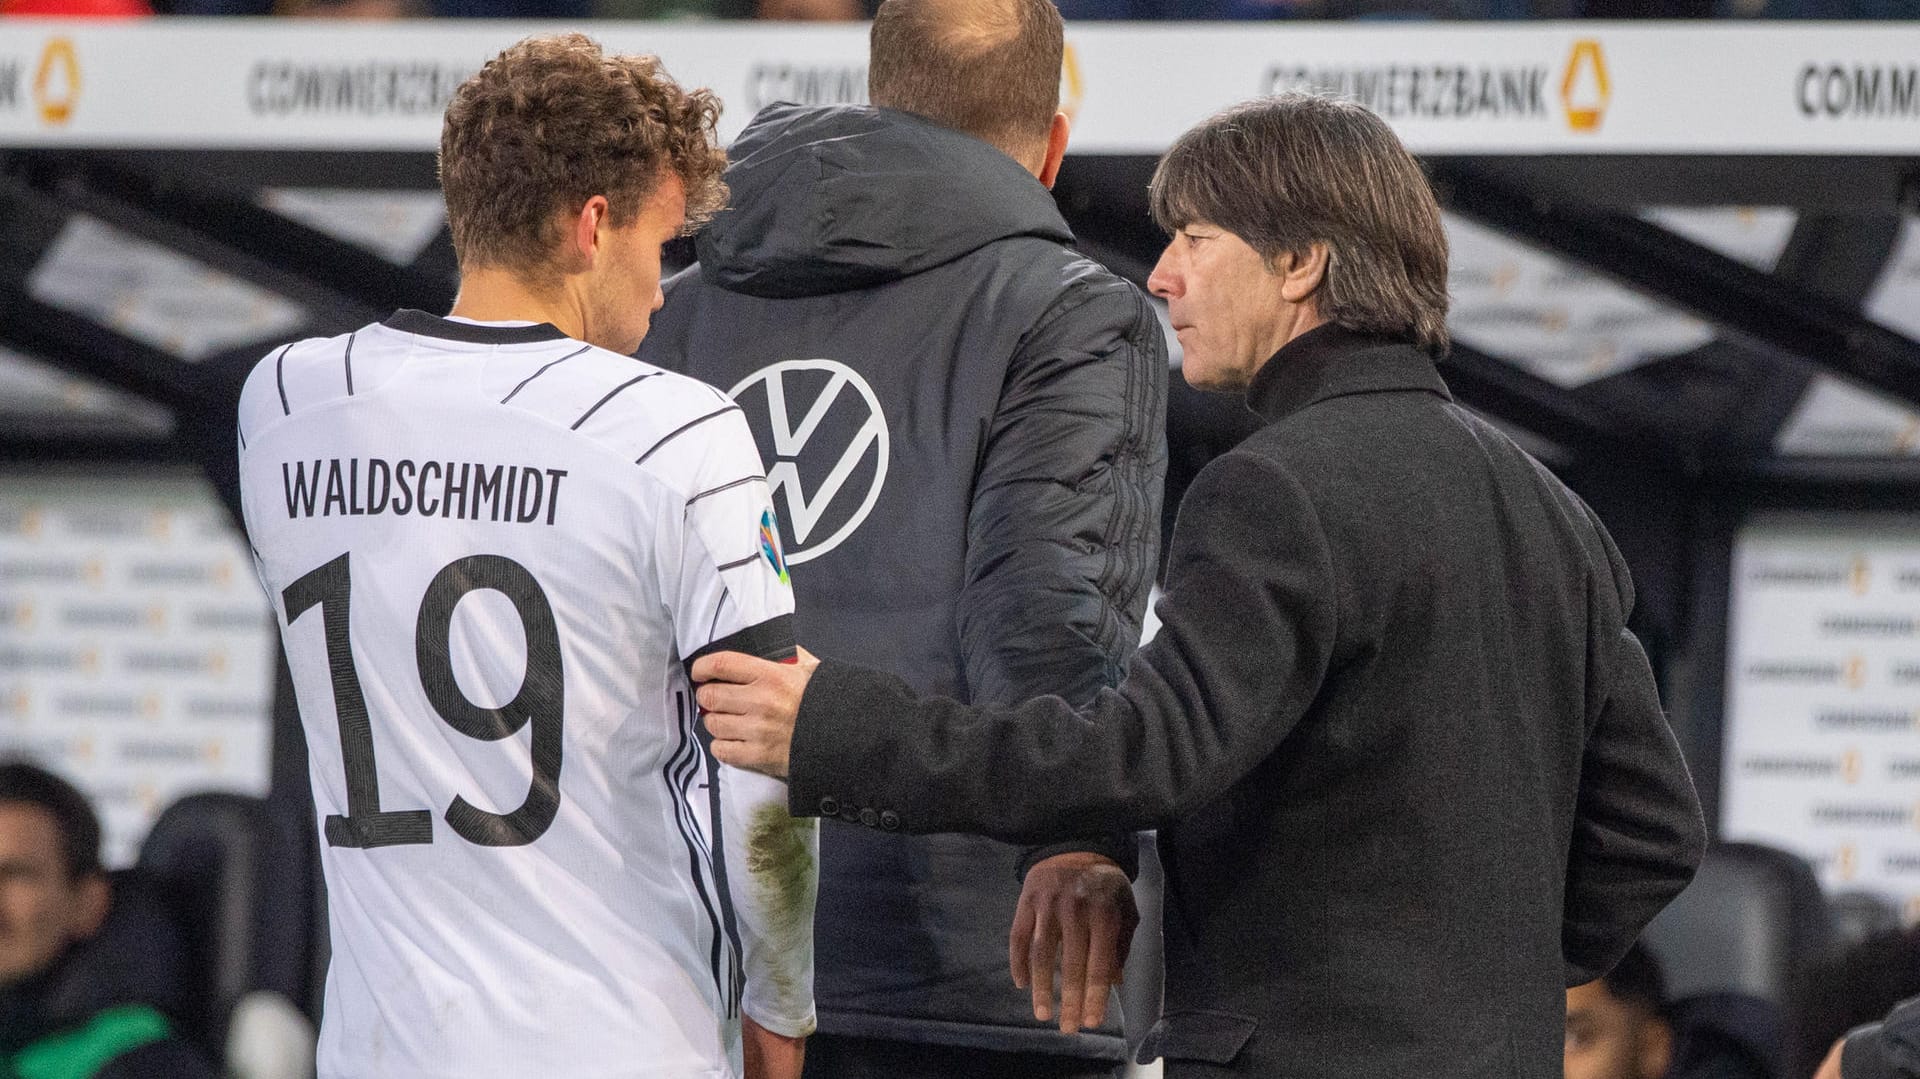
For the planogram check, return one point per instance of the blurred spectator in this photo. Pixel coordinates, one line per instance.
(1624, 1027)
(1815, 9)
(1616, 1028)
(63, 1015)
(790, 10)
(784, 10)
(1647, 9)
(77, 9)
(814, 10)
(1726, 1036)
(1885, 1050)
(1317, 9)
(1859, 987)
(1078, 10)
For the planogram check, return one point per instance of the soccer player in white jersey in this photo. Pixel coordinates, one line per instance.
(495, 543)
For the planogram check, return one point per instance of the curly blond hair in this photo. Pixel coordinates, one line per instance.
(553, 121)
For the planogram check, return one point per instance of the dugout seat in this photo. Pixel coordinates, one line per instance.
(139, 955)
(1860, 916)
(183, 935)
(206, 857)
(1752, 920)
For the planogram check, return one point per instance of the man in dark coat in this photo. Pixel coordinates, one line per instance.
(1410, 770)
(961, 418)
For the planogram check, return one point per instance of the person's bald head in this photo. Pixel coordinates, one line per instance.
(990, 68)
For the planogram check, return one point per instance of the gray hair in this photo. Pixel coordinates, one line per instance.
(1288, 171)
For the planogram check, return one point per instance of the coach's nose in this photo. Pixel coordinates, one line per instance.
(1164, 281)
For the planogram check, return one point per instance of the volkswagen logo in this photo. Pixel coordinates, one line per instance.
(824, 440)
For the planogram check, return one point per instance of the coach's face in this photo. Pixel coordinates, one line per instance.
(627, 279)
(1225, 305)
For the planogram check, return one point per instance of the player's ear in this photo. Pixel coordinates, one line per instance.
(585, 233)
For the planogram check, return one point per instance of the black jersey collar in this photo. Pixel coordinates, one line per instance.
(408, 320)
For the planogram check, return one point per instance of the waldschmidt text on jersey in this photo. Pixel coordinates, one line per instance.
(462, 490)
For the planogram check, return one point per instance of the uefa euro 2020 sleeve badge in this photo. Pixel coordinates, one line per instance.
(770, 545)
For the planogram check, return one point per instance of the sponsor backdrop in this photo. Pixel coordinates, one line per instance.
(1823, 698)
(136, 655)
(1448, 88)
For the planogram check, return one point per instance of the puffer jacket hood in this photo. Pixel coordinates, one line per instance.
(830, 200)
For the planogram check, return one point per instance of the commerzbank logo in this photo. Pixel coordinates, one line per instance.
(824, 440)
(56, 82)
(1544, 87)
(1586, 88)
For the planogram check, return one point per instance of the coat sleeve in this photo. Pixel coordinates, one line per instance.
(1063, 529)
(1638, 835)
(1247, 628)
(1885, 1050)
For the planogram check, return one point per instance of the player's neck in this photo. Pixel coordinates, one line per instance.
(490, 295)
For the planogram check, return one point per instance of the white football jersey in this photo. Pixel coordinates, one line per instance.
(494, 550)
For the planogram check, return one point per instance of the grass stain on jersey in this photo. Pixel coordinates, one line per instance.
(781, 865)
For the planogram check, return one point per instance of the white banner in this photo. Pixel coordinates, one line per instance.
(1823, 699)
(136, 649)
(1448, 88)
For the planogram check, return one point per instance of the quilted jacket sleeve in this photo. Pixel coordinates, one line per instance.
(1063, 535)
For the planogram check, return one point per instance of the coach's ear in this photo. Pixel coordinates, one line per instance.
(1302, 272)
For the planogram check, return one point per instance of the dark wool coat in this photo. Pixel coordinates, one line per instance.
(1410, 770)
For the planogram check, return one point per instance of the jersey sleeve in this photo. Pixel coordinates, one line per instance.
(773, 869)
(733, 594)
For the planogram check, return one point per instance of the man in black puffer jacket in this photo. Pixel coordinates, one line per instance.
(962, 420)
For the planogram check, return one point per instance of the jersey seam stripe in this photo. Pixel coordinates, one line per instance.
(713, 630)
(543, 370)
(676, 772)
(610, 396)
(349, 361)
(280, 376)
(741, 482)
(690, 769)
(722, 886)
(737, 563)
(683, 429)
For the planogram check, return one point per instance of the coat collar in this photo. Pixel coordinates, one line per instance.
(1331, 361)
